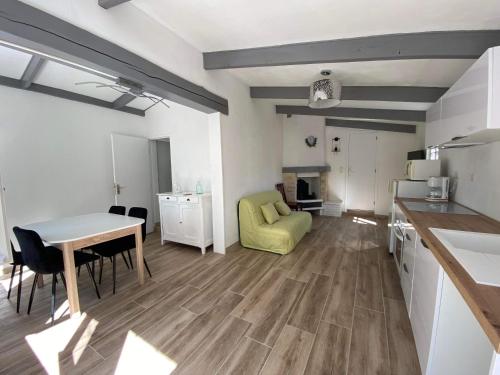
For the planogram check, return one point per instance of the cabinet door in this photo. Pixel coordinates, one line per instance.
(426, 294)
(432, 125)
(494, 117)
(191, 222)
(407, 264)
(170, 220)
(462, 347)
(465, 105)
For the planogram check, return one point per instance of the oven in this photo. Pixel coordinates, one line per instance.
(399, 242)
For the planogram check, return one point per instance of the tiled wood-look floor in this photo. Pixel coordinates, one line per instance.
(333, 306)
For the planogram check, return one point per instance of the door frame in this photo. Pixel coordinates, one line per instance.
(4, 232)
(347, 201)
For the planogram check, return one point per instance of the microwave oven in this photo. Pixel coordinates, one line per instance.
(419, 170)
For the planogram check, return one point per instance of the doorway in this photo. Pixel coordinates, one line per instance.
(161, 171)
(4, 241)
(360, 194)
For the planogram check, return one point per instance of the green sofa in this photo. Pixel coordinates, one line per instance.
(280, 237)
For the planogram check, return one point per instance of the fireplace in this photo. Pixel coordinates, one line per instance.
(307, 186)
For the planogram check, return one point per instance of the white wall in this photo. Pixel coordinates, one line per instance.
(390, 160)
(474, 177)
(187, 130)
(55, 154)
(250, 134)
(296, 153)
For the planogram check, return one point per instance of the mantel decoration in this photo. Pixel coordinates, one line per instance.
(325, 93)
(311, 141)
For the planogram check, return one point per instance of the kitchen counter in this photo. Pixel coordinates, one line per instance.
(483, 300)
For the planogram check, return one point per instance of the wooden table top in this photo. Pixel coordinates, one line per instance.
(483, 300)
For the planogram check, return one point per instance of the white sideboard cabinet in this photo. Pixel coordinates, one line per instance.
(186, 219)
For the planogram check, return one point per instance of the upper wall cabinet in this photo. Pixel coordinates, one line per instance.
(470, 110)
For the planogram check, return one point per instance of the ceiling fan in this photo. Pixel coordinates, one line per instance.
(125, 86)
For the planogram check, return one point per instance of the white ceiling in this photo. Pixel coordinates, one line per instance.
(233, 24)
(436, 73)
(64, 77)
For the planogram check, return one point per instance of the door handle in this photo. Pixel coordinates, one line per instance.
(405, 268)
(423, 243)
(408, 238)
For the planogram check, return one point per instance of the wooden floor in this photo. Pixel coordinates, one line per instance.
(332, 306)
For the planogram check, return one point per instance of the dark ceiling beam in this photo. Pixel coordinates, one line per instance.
(32, 70)
(379, 93)
(371, 125)
(31, 28)
(63, 94)
(106, 4)
(123, 100)
(356, 113)
(427, 45)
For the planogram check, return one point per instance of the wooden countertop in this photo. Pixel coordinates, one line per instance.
(483, 300)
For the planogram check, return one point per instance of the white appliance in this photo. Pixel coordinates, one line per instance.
(438, 189)
(186, 219)
(419, 170)
(403, 189)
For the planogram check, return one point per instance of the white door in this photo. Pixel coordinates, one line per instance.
(132, 174)
(170, 219)
(191, 223)
(360, 194)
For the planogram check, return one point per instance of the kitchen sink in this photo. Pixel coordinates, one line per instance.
(478, 253)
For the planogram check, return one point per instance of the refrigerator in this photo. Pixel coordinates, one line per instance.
(404, 189)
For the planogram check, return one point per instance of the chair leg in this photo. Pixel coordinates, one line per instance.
(93, 280)
(125, 260)
(147, 267)
(19, 288)
(130, 259)
(101, 264)
(114, 273)
(11, 279)
(35, 280)
(53, 297)
(78, 274)
(63, 279)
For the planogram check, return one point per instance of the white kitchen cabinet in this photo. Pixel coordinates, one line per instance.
(469, 110)
(433, 129)
(426, 297)
(461, 347)
(186, 219)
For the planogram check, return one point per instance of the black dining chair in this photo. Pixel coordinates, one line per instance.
(111, 248)
(48, 260)
(117, 210)
(17, 260)
(120, 210)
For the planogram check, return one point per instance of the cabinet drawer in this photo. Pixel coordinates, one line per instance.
(189, 199)
(168, 198)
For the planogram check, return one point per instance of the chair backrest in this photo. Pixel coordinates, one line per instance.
(281, 188)
(141, 213)
(17, 257)
(32, 249)
(117, 210)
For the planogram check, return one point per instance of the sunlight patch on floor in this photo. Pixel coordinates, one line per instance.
(56, 342)
(138, 356)
(60, 312)
(360, 220)
(26, 274)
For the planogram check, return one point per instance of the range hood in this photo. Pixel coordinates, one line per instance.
(477, 139)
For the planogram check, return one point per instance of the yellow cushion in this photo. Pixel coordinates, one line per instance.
(270, 213)
(282, 208)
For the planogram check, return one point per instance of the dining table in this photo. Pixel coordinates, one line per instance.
(81, 232)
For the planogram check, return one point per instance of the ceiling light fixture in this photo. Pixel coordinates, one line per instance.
(325, 93)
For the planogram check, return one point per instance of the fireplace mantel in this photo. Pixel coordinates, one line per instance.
(306, 169)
